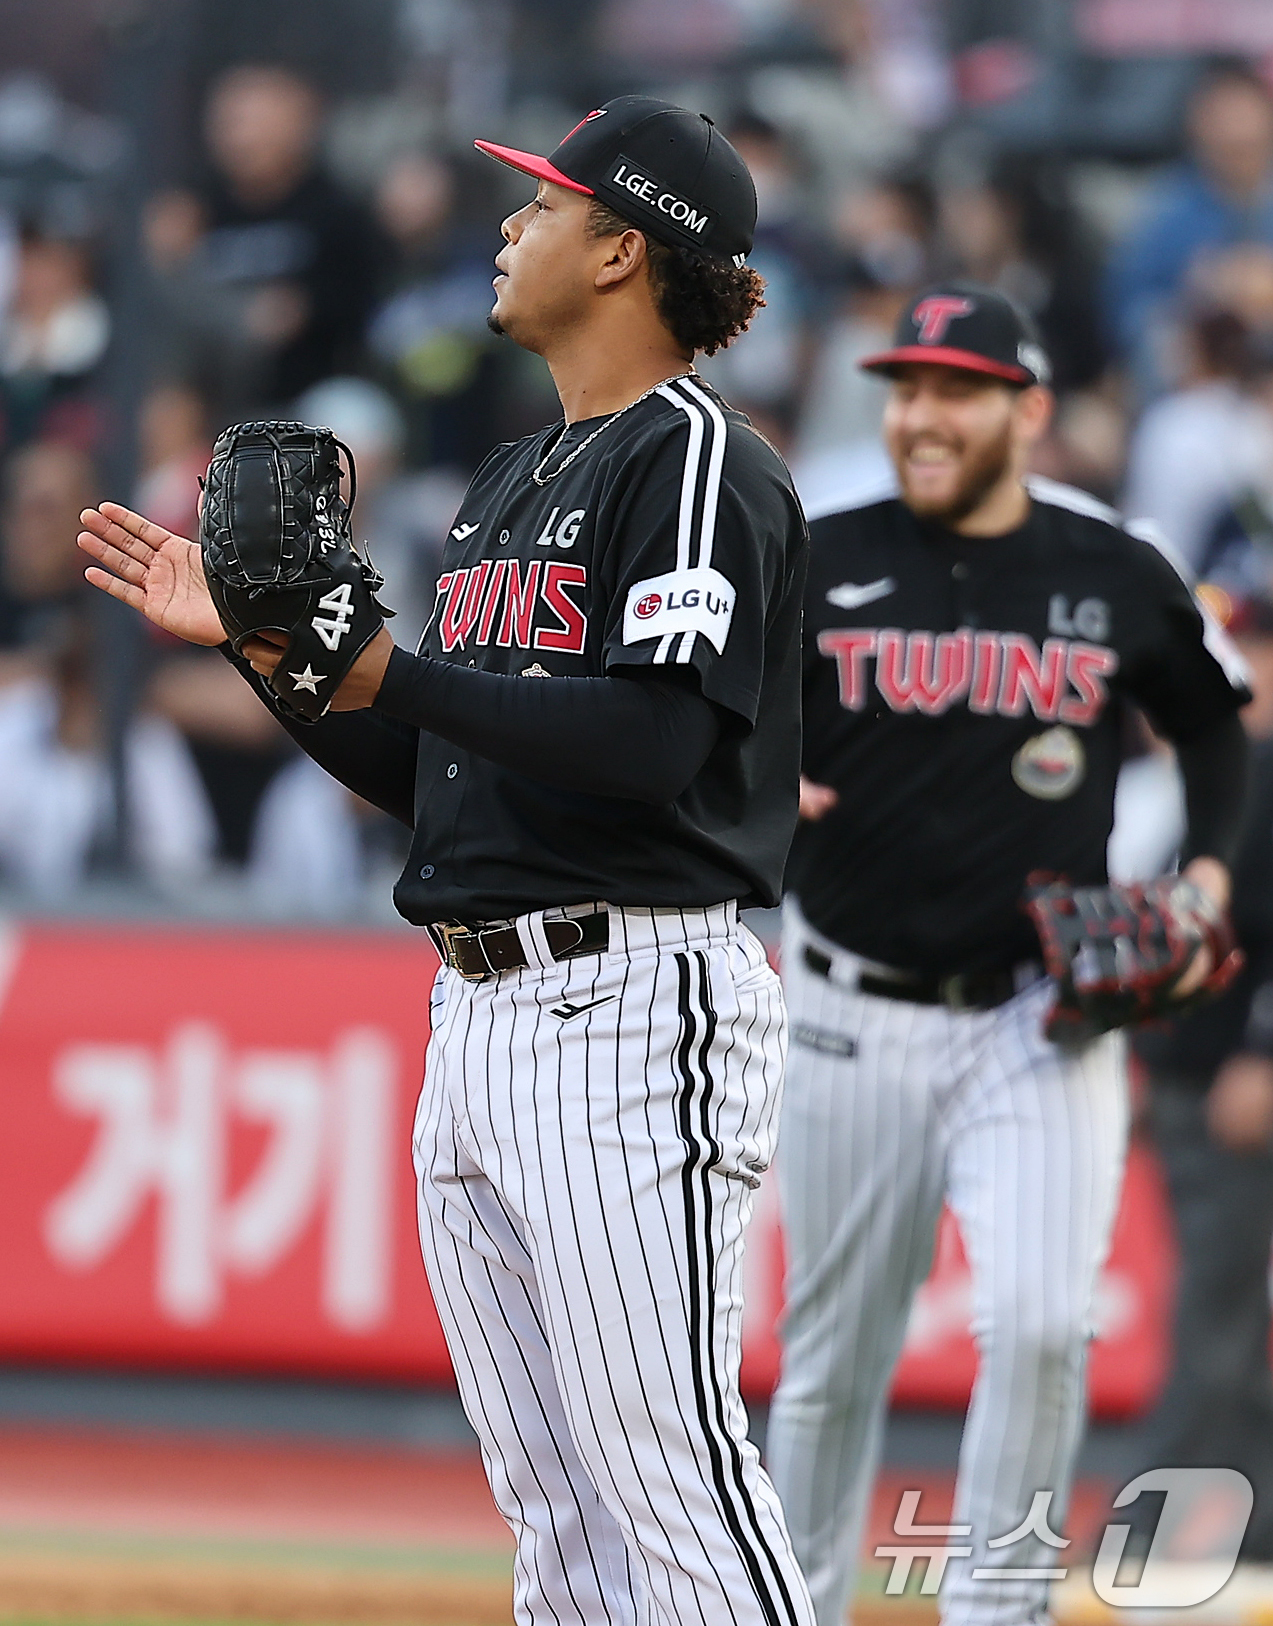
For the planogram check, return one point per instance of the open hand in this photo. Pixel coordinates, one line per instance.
(148, 567)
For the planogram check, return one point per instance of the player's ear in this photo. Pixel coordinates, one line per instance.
(1034, 411)
(626, 255)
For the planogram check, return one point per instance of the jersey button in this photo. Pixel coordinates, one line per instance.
(959, 571)
(427, 872)
(453, 770)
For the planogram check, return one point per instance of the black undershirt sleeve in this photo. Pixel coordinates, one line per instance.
(1213, 765)
(371, 755)
(640, 739)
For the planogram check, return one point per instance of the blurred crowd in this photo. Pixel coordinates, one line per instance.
(329, 259)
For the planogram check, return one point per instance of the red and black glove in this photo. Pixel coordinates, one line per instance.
(1118, 954)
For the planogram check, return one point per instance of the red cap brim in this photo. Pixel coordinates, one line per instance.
(532, 164)
(943, 356)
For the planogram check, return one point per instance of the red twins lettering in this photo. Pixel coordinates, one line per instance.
(935, 314)
(492, 601)
(849, 647)
(535, 605)
(462, 603)
(915, 672)
(987, 659)
(1001, 674)
(519, 604)
(570, 637)
(1087, 668)
(1031, 678)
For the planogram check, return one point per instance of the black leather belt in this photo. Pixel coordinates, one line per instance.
(964, 991)
(480, 951)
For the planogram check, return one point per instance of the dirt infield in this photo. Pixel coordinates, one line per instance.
(105, 1528)
(110, 1529)
(97, 1588)
(100, 1527)
(56, 1589)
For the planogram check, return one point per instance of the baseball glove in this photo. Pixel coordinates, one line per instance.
(1117, 954)
(279, 556)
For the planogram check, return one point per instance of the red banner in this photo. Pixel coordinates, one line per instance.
(209, 1156)
(208, 1165)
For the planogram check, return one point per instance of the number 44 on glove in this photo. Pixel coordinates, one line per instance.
(279, 557)
(1118, 954)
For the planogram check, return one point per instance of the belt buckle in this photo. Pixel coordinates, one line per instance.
(449, 931)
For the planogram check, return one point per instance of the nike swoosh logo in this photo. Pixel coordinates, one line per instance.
(461, 533)
(566, 1010)
(851, 595)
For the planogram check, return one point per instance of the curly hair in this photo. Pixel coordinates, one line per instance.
(704, 303)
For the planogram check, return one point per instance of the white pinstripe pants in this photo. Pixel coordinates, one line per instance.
(1027, 1144)
(584, 1184)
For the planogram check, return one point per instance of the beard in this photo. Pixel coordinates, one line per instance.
(979, 475)
(496, 326)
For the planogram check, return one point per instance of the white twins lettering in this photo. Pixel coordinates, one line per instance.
(994, 673)
(498, 599)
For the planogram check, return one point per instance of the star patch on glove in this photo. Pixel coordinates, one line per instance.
(1118, 954)
(279, 556)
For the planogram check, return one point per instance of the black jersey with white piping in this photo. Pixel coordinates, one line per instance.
(963, 695)
(673, 546)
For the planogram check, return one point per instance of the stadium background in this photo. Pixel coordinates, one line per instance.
(222, 1389)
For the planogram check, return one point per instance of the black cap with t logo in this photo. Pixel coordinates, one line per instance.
(668, 171)
(962, 324)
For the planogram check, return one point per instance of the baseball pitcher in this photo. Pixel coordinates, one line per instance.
(596, 747)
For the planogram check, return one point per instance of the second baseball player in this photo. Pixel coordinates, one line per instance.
(971, 639)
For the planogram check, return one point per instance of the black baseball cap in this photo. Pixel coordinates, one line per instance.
(962, 324)
(668, 171)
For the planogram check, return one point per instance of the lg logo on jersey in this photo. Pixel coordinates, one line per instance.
(1004, 673)
(698, 600)
(565, 534)
(1088, 619)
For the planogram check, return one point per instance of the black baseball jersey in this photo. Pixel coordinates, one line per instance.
(672, 545)
(963, 696)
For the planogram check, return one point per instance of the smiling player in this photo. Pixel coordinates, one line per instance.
(971, 638)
